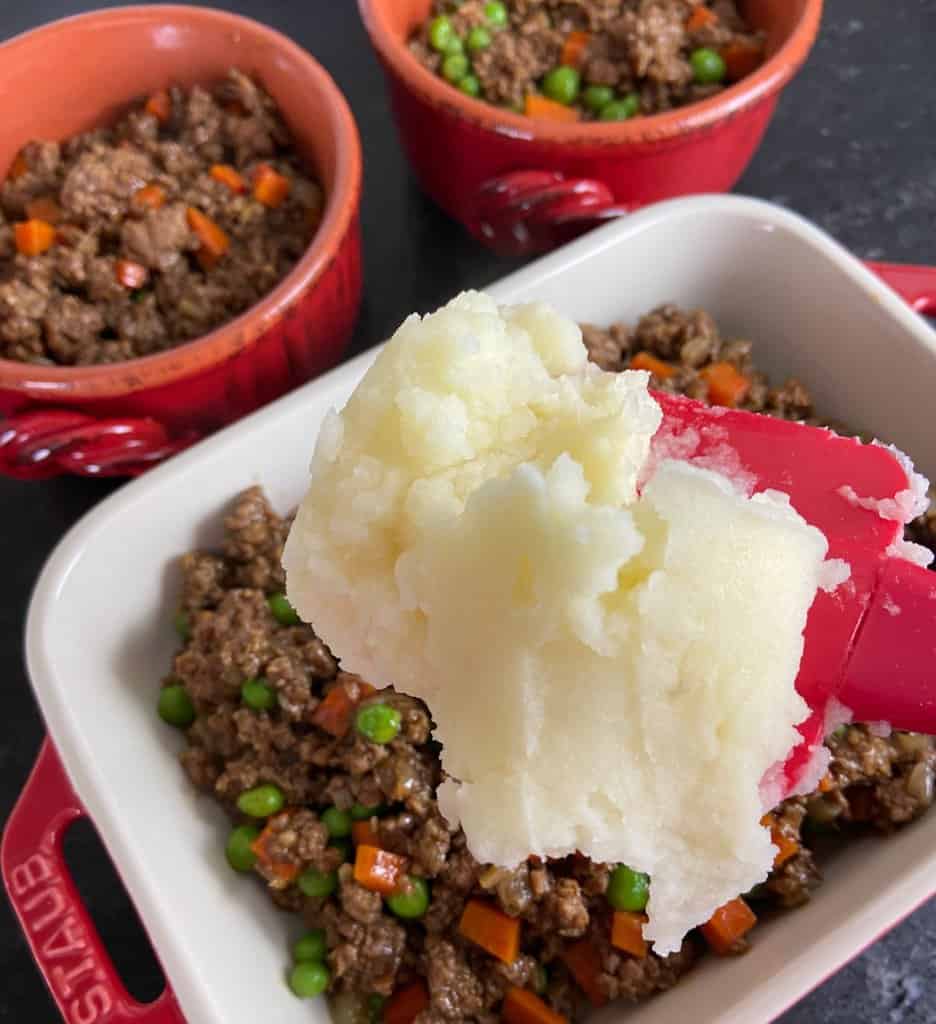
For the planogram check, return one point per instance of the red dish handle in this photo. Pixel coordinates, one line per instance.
(529, 211)
(915, 284)
(57, 926)
(43, 442)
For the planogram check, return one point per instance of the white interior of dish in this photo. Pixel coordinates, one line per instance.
(99, 635)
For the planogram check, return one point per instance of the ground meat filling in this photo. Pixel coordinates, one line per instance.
(232, 634)
(100, 257)
(643, 53)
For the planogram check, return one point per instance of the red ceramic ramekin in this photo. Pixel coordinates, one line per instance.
(119, 419)
(522, 185)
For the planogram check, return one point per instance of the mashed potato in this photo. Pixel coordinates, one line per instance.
(608, 672)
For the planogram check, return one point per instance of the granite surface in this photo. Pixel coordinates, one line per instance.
(853, 146)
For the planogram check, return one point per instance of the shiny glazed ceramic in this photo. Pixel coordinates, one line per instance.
(95, 663)
(523, 185)
(118, 419)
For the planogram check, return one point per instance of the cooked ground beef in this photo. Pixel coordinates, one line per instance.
(622, 57)
(232, 634)
(103, 250)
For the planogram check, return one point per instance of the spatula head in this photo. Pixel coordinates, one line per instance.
(834, 483)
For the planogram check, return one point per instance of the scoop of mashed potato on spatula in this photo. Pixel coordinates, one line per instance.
(610, 672)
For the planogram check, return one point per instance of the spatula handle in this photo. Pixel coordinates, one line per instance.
(891, 674)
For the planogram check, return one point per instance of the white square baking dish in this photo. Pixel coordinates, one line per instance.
(813, 311)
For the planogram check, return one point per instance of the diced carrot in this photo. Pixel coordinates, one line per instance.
(521, 1006)
(129, 274)
(18, 168)
(627, 933)
(726, 384)
(335, 710)
(787, 847)
(378, 870)
(33, 237)
(406, 1004)
(826, 784)
(149, 197)
(490, 928)
(573, 49)
(545, 109)
(741, 58)
(364, 834)
(727, 925)
(214, 242)
(227, 175)
(44, 208)
(160, 106)
(584, 963)
(701, 17)
(270, 187)
(658, 367)
(284, 871)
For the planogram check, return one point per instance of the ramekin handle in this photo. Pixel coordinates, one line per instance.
(915, 284)
(60, 933)
(43, 442)
(528, 211)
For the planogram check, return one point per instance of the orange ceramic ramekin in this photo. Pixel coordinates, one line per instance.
(72, 75)
(520, 184)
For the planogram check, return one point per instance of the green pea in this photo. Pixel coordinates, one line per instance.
(311, 948)
(412, 901)
(621, 110)
(456, 46)
(496, 13)
(282, 610)
(562, 85)
(540, 979)
(361, 813)
(183, 624)
(708, 66)
(597, 97)
(822, 812)
(375, 1005)
(318, 883)
(478, 39)
(345, 847)
(261, 801)
(175, 706)
(627, 889)
(337, 822)
(378, 722)
(440, 33)
(455, 68)
(308, 980)
(470, 86)
(238, 852)
(258, 694)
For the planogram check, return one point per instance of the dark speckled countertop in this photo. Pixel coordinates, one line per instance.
(853, 146)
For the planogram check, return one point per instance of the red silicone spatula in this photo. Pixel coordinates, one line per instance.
(870, 643)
